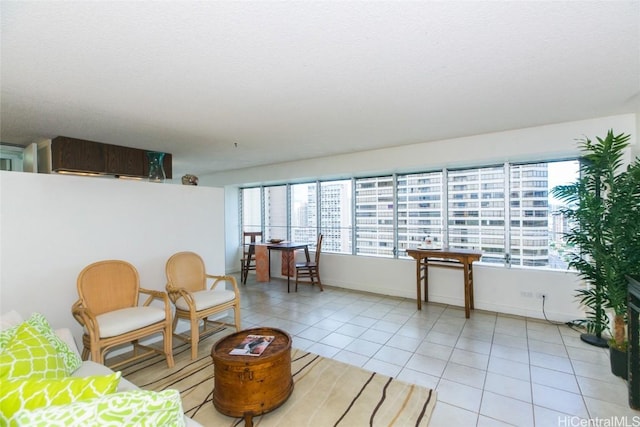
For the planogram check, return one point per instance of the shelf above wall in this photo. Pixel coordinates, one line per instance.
(83, 156)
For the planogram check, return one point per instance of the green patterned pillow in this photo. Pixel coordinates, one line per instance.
(71, 359)
(28, 354)
(29, 394)
(138, 408)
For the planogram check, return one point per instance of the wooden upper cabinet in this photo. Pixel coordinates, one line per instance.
(79, 155)
(125, 160)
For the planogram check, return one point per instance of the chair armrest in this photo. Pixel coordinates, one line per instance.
(218, 279)
(155, 295)
(176, 293)
(86, 318)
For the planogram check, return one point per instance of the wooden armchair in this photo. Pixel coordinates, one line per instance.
(109, 311)
(309, 271)
(187, 288)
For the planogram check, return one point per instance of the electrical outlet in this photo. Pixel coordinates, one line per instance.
(526, 294)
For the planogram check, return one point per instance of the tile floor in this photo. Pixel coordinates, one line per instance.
(489, 370)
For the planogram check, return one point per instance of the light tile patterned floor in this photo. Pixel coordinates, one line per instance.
(489, 370)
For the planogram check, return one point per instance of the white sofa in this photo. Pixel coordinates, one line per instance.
(87, 367)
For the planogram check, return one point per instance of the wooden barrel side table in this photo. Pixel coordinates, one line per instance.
(247, 386)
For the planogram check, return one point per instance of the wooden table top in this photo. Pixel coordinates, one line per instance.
(281, 342)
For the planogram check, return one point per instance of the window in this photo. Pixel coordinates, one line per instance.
(251, 209)
(336, 216)
(529, 212)
(419, 201)
(505, 211)
(559, 173)
(304, 208)
(275, 212)
(476, 206)
(374, 216)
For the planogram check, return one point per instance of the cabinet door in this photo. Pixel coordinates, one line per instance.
(125, 160)
(77, 155)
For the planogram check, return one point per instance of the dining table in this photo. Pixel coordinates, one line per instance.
(288, 268)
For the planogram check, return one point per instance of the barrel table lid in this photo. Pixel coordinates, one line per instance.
(281, 342)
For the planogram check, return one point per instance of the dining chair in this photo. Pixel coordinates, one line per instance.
(110, 313)
(187, 287)
(248, 261)
(309, 271)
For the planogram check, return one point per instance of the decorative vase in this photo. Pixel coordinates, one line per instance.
(156, 169)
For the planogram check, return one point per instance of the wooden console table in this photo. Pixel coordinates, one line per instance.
(447, 258)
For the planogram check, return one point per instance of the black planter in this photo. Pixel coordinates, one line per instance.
(619, 362)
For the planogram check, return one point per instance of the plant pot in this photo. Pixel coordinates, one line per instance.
(619, 362)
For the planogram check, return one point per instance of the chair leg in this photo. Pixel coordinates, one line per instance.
(236, 317)
(168, 344)
(175, 323)
(195, 337)
(96, 355)
(319, 282)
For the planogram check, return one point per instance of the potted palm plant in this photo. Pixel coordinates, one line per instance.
(603, 209)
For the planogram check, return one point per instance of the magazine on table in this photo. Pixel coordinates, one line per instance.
(252, 345)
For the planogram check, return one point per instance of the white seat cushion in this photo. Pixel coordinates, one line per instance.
(207, 299)
(128, 319)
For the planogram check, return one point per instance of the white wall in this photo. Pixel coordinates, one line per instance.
(496, 288)
(52, 226)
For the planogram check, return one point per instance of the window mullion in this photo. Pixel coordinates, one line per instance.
(507, 215)
(445, 207)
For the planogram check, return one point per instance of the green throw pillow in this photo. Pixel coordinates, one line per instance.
(28, 354)
(69, 357)
(30, 394)
(138, 408)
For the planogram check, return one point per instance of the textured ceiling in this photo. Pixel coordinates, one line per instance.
(302, 79)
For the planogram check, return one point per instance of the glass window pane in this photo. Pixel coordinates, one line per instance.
(537, 228)
(419, 209)
(374, 216)
(251, 212)
(275, 212)
(335, 216)
(476, 211)
(304, 222)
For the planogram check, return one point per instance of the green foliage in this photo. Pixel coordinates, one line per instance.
(603, 208)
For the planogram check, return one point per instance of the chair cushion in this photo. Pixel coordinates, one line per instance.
(128, 319)
(139, 408)
(36, 393)
(206, 299)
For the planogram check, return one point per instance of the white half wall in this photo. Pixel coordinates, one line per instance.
(52, 226)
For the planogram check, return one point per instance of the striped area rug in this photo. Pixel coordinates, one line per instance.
(326, 392)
